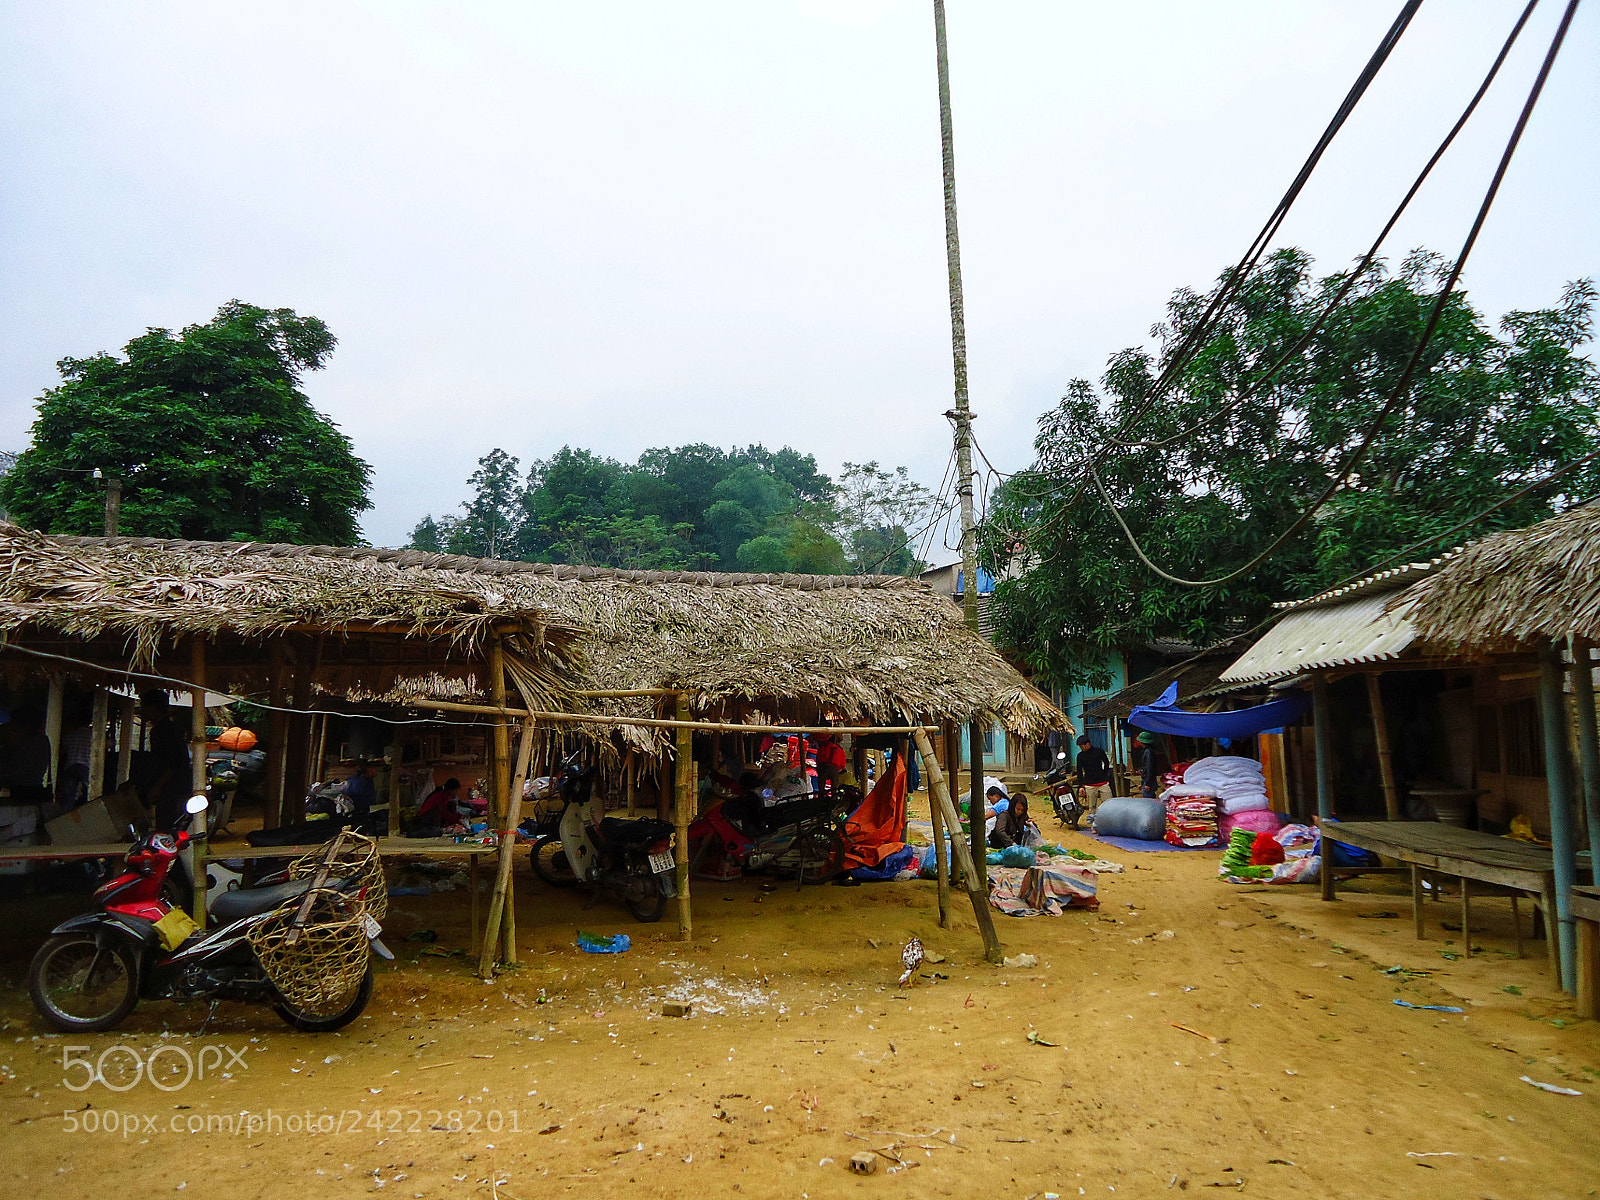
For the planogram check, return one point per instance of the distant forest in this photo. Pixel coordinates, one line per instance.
(695, 507)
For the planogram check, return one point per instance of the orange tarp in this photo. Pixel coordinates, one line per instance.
(873, 831)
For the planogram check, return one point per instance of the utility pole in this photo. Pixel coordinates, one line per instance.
(961, 417)
(113, 487)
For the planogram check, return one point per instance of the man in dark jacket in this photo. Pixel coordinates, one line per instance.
(1094, 775)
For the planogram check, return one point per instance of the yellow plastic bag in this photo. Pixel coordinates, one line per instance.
(174, 928)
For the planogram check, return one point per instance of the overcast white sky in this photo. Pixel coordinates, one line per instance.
(631, 224)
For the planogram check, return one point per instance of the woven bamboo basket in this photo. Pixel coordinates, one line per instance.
(321, 970)
(358, 860)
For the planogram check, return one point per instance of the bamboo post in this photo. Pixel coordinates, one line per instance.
(125, 741)
(630, 785)
(500, 752)
(54, 708)
(394, 787)
(951, 764)
(1588, 746)
(976, 825)
(501, 900)
(97, 744)
(277, 735)
(663, 792)
(1323, 730)
(682, 803)
(1380, 730)
(197, 770)
(1563, 845)
(977, 885)
(941, 854)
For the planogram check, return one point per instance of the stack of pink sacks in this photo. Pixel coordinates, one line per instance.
(1240, 789)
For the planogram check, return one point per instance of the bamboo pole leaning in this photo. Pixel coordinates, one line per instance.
(939, 791)
(682, 804)
(508, 848)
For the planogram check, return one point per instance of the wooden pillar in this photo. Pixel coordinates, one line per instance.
(1558, 778)
(1380, 731)
(503, 899)
(682, 806)
(394, 785)
(1324, 742)
(55, 707)
(197, 769)
(500, 742)
(630, 785)
(277, 734)
(297, 751)
(1588, 745)
(97, 744)
(663, 791)
(941, 855)
(125, 740)
(858, 764)
(977, 881)
(975, 822)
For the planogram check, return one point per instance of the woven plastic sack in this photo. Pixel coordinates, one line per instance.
(1256, 820)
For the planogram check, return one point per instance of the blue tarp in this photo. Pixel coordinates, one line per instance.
(1165, 717)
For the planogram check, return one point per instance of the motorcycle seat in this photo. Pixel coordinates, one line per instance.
(622, 831)
(247, 902)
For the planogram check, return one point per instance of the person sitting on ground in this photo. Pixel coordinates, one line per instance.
(1094, 776)
(1012, 826)
(440, 806)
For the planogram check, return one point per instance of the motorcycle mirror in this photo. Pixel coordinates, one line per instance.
(1060, 754)
(197, 804)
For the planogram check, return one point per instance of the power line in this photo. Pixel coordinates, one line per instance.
(1359, 453)
(1366, 259)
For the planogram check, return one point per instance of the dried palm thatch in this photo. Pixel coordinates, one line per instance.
(875, 648)
(1515, 590)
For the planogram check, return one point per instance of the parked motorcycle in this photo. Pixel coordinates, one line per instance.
(1063, 796)
(630, 858)
(801, 836)
(96, 967)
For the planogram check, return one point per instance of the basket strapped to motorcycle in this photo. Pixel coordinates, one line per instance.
(318, 882)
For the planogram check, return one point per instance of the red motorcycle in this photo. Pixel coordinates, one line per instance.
(799, 836)
(96, 967)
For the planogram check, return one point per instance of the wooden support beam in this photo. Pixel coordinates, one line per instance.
(656, 722)
(1563, 843)
(1323, 729)
(125, 740)
(500, 737)
(501, 899)
(941, 856)
(682, 807)
(1583, 703)
(977, 827)
(54, 708)
(394, 787)
(1380, 731)
(630, 785)
(277, 735)
(977, 884)
(99, 719)
(197, 770)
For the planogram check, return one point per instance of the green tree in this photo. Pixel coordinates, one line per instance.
(429, 535)
(488, 527)
(877, 513)
(1219, 467)
(208, 430)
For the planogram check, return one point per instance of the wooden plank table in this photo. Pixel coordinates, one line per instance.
(1510, 867)
(1586, 914)
(392, 847)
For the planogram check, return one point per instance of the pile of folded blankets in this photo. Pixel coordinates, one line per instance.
(1191, 820)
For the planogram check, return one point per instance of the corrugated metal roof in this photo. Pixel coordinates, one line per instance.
(1357, 630)
(1383, 581)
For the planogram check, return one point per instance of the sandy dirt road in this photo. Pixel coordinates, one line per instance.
(1295, 1074)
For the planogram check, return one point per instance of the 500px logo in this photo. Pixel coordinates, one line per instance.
(168, 1068)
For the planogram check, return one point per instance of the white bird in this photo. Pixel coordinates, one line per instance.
(912, 957)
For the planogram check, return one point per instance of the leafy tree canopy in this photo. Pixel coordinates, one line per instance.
(209, 431)
(1217, 469)
(695, 507)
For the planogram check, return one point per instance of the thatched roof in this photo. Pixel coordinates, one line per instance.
(1515, 590)
(1193, 676)
(878, 648)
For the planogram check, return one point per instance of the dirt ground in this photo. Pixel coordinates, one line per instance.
(1190, 1034)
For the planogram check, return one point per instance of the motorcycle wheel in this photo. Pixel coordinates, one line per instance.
(81, 987)
(644, 898)
(342, 1011)
(820, 853)
(550, 862)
